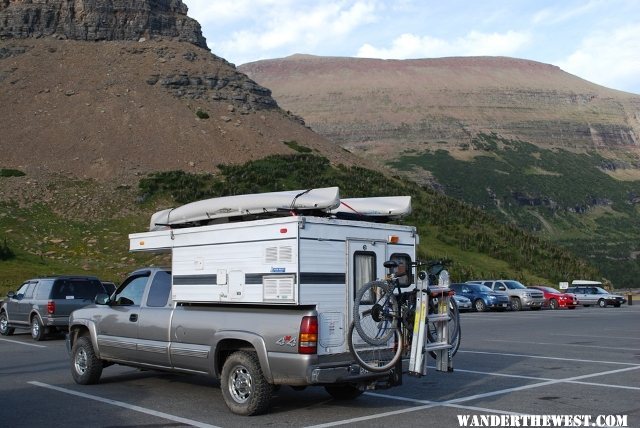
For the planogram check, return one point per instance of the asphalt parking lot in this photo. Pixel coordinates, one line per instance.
(566, 362)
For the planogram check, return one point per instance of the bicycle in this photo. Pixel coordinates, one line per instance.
(384, 316)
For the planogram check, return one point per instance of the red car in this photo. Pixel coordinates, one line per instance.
(557, 299)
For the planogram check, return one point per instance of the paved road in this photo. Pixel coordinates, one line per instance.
(585, 361)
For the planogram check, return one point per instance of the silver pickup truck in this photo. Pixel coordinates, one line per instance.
(250, 348)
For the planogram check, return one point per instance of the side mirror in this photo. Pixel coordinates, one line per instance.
(11, 295)
(102, 299)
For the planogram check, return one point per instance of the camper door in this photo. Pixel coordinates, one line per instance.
(366, 258)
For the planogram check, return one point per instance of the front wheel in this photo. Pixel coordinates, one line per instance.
(86, 367)
(344, 391)
(375, 312)
(479, 305)
(553, 304)
(5, 330)
(516, 305)
(375, 358)
(244, 388)
(602, 303)
(37, 329)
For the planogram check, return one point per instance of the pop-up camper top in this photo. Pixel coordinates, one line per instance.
(293, 259)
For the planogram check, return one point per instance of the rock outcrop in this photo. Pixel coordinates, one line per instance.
(95, 20)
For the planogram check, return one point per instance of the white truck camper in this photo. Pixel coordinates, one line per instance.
(295, 259)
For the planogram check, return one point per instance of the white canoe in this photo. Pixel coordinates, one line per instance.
(384, 206)
(230, 206)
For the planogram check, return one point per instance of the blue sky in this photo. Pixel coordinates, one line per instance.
(598, 40)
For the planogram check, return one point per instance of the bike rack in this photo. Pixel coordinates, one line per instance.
(419, 344)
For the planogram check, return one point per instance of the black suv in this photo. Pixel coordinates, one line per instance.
(44, 304)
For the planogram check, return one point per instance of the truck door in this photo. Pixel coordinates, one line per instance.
(154, 321)
(25, 304)
(118, 329)
(366, 258)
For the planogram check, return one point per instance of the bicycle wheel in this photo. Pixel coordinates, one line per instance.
(375, 312)
(375, 358)
(455, 332)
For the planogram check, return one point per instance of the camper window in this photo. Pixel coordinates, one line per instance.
(404, 265)
(364, 263)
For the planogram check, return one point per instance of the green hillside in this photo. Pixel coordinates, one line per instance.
(559, 195)
(46, 241)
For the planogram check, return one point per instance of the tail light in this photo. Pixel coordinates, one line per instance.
(308, 340)
(51, 307)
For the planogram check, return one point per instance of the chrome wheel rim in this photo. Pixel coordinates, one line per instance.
(4, 324)
(240, 384)
(35, 328)
(80, 361)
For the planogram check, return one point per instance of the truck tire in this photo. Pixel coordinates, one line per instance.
(344, 391)
(37, 329)
(244, 388)
(86, 368)
(516, 305)
(5, 330)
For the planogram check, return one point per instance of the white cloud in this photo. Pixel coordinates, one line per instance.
(473, 44)
(609, 58)
(272, 26)
(556, 15)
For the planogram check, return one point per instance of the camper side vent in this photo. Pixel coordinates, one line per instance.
(286, 254)
(278, 288)
(278, 255)
(271, 255)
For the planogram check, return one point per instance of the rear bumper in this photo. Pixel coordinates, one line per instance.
(297, 369)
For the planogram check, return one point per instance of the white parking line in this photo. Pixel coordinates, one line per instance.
(23, 343)
(125, 405)
(542, 357)
(456, 402)
(559, 345)
(634, 388)
(596, 337)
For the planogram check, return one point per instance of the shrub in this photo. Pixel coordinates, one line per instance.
(202, 114)
(11, 173)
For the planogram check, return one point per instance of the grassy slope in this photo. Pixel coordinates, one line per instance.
(478, 244)
(560, 195)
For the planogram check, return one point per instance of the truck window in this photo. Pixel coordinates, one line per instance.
(159, 290)
(130, 293)
(21, 291)
(44, 289)
(28, 294)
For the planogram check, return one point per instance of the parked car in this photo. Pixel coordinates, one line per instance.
(592, 295)
(556, 299)
(520, 296)
(43, 305)
(464, 304)
(482, 298)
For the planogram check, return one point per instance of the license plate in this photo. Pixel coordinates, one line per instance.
(504, 305)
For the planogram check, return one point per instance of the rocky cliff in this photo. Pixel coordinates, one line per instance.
(99, 20)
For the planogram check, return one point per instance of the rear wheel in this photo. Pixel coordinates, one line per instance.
(375, 312)
(375, 358)
(86, 367)
(516, 305)
(553, 304)
(602, 303)
(37, 329)
(344, 391)
(244, 388)
(5, 330)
